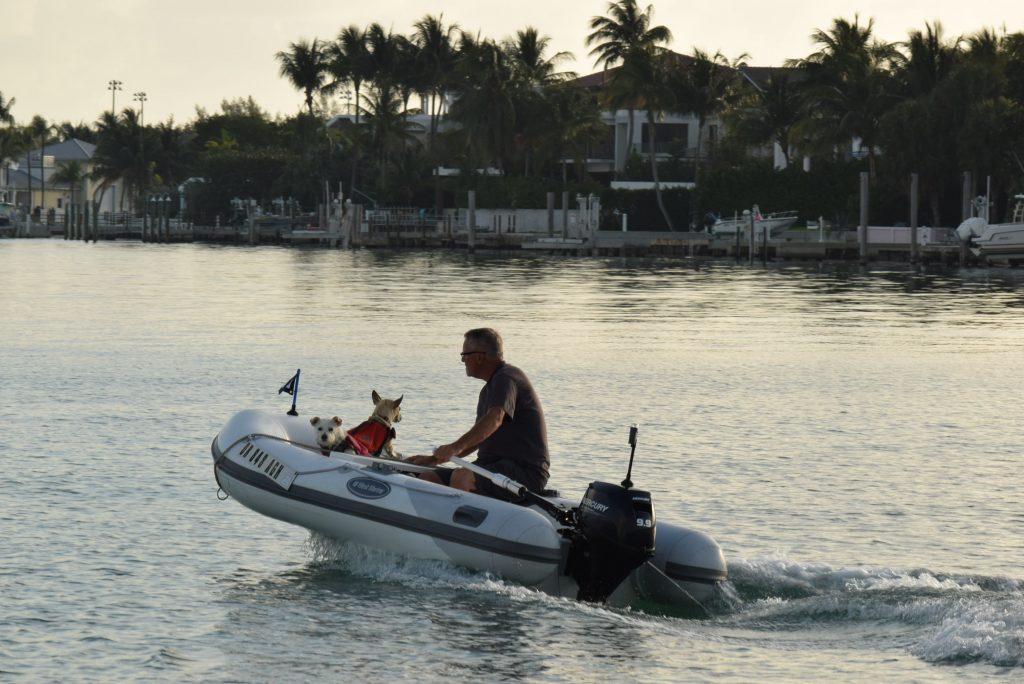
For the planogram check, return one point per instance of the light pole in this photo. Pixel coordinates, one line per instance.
(140, 97)
(113, 86)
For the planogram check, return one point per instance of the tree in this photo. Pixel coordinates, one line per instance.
(533, 73)
(850, 87)
(485, 106)
(389, 131)
(40, 130)
(73, 173)
(5, 110)
(436, 57)
(706, 87)
(349, 61)
(626, 32)
(769, 114)
(647, 76)
(118, 157)
(528, 51)
(304, 64)
(11, 139)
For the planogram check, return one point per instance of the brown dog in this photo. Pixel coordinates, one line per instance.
(374, 435)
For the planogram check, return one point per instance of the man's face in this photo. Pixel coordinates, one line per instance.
(472, 358)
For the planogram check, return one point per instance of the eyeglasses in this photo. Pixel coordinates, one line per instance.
(463, 355)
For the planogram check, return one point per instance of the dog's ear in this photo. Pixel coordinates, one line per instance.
(314, 420)
(398, 401)
(337, 420)
(375, 397)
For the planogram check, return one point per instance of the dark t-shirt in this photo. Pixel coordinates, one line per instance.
(523, 435)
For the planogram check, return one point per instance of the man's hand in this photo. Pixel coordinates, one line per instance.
(422, 460)
(443, 453)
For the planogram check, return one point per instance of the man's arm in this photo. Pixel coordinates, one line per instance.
(486, 426)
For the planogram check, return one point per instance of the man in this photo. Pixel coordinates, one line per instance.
(509, 432)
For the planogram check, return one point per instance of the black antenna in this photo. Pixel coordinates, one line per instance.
(633, 429)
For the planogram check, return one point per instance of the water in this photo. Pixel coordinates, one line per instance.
(851, 439)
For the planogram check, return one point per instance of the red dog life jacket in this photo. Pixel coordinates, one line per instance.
(368, 438)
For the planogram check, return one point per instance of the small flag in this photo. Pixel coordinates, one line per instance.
(289, 387)
(292, 388)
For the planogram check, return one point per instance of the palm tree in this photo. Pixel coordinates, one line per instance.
(117, 155)
(349, 60)
(706, 88)
(70, 172)
(533, 67)
(850, 85)
(648, 76)
(39, 129)
(304, 64)
(931, 59)
(769, 114)
(437, 56)
(388, 128)
(486, 106)
(625, 32)
(574, 124)
(920, 133)
(5, 110)
(533, 72)
(10, 142)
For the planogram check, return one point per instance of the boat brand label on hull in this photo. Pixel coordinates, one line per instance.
(368, 488)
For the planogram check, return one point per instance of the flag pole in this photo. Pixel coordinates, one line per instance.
(295, 393)
(292, 388)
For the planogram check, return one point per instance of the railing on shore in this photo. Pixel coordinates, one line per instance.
(410, 227)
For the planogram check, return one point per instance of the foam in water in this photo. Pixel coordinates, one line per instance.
(949, 618)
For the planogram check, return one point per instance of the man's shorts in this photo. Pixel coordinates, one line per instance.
(506, 467)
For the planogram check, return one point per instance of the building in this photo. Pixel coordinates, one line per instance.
(675, 132)
(46, 194)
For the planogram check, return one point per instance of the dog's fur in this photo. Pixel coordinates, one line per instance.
(375, 435)
(329, 434)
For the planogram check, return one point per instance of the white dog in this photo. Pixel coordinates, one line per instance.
(329, 434)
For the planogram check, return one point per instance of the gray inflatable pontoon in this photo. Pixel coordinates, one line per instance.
(609, 546)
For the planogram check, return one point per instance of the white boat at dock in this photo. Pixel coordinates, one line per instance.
(774, 223)
(996, 241)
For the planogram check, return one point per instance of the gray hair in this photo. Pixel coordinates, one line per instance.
(489, 340)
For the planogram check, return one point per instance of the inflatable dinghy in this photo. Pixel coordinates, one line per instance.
(609, 546)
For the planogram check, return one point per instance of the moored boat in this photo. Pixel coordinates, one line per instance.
(607, 547)
(996, 241)
(774, 223)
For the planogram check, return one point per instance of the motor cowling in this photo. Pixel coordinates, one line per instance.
(615, 535)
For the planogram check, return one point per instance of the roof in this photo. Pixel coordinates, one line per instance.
(602, 78)
(71, 149)
(760, 76)
(757, 76)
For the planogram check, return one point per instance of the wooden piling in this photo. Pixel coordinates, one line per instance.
(915, 250)
(472, 221)
(862, 229)
(551, 214)
(751, 243)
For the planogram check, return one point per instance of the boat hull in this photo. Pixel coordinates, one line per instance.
(266, 462)
(996, 241)
(773, 224)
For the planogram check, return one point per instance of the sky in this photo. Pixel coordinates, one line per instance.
(58, 56)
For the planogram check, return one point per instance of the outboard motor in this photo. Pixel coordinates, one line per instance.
(614, 534)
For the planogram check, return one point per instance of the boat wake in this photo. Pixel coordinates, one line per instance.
(937, 617)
